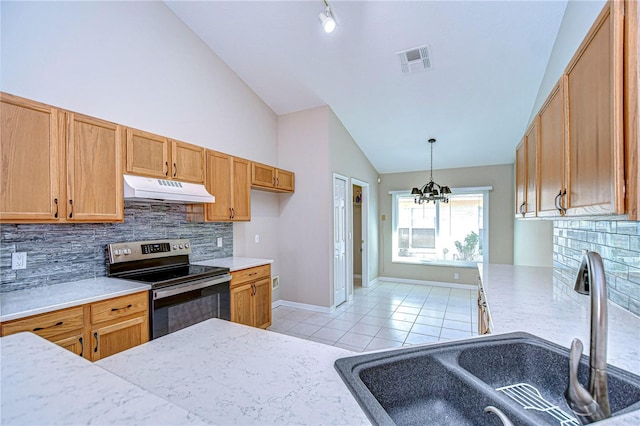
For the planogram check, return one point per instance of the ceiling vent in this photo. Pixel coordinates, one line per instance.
(415, 59)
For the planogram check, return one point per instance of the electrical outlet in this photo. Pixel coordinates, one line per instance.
(219, 241)
(19, 260)
(257, 238)
(456, 276)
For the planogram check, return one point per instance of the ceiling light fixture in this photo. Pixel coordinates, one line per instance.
(431, 191)
(326, 18)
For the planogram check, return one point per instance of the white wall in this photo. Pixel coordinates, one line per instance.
(304, 229)
(501, 202)
(315, 144)
(137, 64)
(533, 243)
(578, 18)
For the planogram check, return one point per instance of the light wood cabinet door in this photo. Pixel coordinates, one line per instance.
(531, 144)
(593, 86)
(241, 189)
(262, 303)
(219, 184)
(521, 178)
(241, 304)
(94, 170)
(187, 162)
(64, 327)
(30, 155)
(284, 180)
(550, 184)
(118, 324)
(631, 106)
(263, 175)
(110, 338)
(148, 154)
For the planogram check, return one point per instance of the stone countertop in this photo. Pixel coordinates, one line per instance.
(233, 374)
(45, 384)
(24, 303)
(523, 298)
(235, 263)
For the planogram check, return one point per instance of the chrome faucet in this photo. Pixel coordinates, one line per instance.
(593, 404)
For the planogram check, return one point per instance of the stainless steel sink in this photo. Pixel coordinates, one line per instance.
(452, 383)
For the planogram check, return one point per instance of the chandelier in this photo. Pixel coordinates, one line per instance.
(431, 191)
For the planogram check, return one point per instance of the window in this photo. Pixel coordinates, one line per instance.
(453, 233)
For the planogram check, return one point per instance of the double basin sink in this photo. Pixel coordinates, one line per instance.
(450, 383)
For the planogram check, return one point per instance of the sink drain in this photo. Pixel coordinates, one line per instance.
(531, 399)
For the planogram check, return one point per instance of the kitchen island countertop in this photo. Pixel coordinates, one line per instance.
(525, 298)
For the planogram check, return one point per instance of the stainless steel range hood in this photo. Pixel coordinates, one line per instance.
(168, 191)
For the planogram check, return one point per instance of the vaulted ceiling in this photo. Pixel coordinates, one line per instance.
(487, 58)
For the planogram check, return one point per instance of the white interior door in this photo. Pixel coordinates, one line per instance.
(339, 239)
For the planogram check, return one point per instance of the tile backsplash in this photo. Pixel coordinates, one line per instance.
(59, 253)
(618, 243)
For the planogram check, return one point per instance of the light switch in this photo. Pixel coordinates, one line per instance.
(257, 238)
(19, 260)
(219, 241)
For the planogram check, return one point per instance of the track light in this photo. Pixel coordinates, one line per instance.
(326, 18)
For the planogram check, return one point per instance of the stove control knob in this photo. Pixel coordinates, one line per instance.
(117, 252)
(126, 251)
(181, 246)
(175, 247)
(186, 246)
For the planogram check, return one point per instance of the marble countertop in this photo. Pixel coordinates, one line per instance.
(523, 298)
(235, 263)
(24, 303)
(45, 384)
(233, 374)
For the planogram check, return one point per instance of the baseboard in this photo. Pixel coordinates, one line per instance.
(422, 282)
(357, 276)
(371, 283)
(315, 308)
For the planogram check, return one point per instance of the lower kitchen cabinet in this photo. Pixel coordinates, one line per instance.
(93, 331)
(118, 324)
(251, 296)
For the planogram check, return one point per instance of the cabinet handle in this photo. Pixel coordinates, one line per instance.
(253, 273)
(274, 181)
(117, 309)
(95, 336)
(71, 212)
(55, 200)
(555, 201)
(253, 289)
(175, 170)
(59, 323)
(166, 170)
(562, 209)
(81, 346)
(522, 208)
(233, 213)
(230, 213)
(277, 181)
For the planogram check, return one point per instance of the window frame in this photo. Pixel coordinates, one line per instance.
(484, 190)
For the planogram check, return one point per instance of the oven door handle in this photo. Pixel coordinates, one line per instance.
(183, 288)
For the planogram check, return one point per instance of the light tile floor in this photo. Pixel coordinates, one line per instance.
(386, 315)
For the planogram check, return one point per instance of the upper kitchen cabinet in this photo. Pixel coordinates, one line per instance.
(58, 166)
(550, 162)
(157, 156)
(31, 155)
(526, 173)
(228, 178)
(94, 170)
(187, 162)
(595, 128)
(269, 178)
(631, 109)
(147, 154)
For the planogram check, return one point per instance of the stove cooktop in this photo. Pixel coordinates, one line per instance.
(174, 275)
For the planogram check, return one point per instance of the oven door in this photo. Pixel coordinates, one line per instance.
(181, 305)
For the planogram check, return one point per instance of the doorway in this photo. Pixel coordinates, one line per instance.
(339, 239)
(360, 227)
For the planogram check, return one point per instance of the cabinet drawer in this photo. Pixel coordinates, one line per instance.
(119, 307)
(48, 325)
(251, 274)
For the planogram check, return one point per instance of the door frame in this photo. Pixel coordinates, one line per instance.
(348, 256)
(365, 232)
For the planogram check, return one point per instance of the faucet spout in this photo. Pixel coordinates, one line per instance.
(591, 280)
